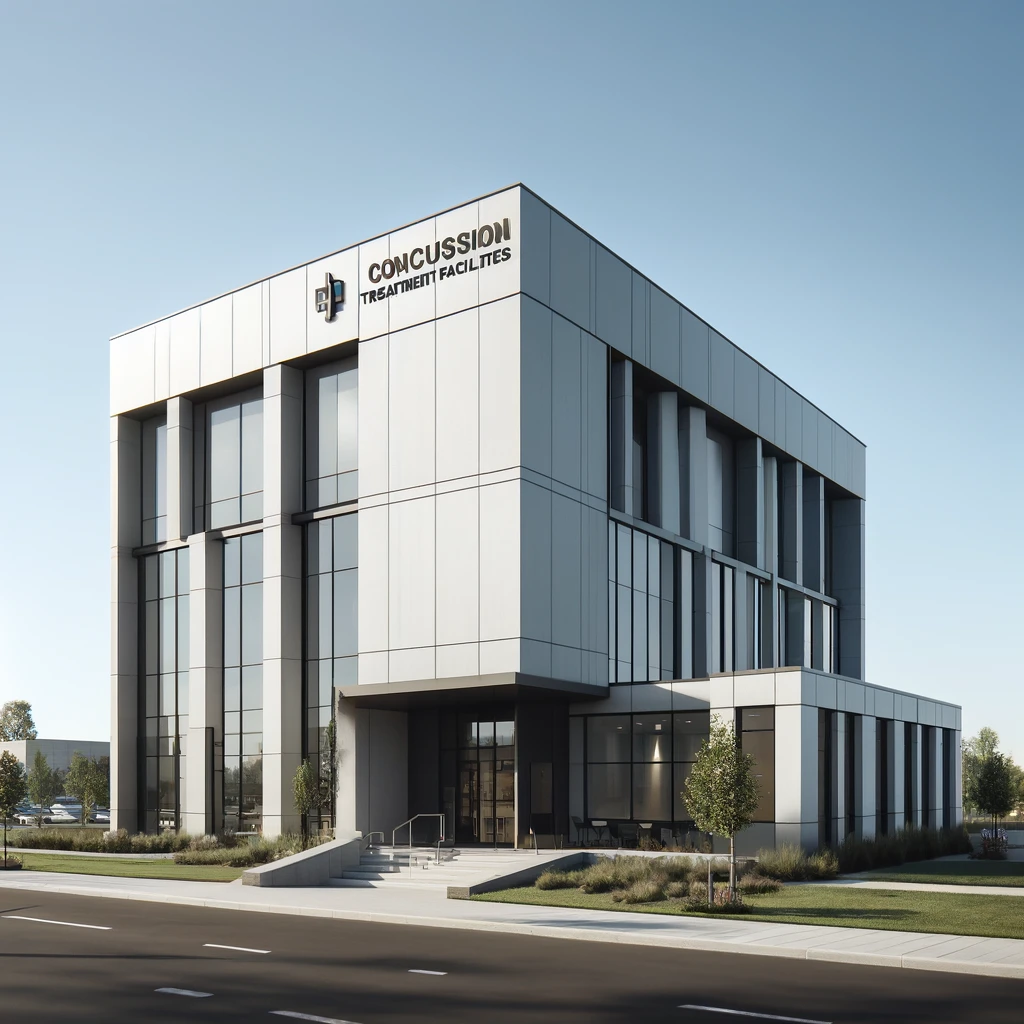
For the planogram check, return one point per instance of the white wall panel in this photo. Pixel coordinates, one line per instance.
(664, 335)
(411, 574)
(566, 407)
(535, 387)
(503, 278)
(288, 315)
(499, 385)
(613, 301)
(796, 763)
(373, 416)
(215, 340)
(458, 404)
(320, 333)
(498, 656)
(373, 581)
(570, 271)
(566, 571)
(416, 306)
(247, 329)
(411, 664)
(373, 667)
(411, 407)
(499, 562)
(456, 660)
(131, 370)
(373, 316)
(162, 361)
(461, 291)
(185, 352)
(535, 272)
(458, 567)
(536, 562)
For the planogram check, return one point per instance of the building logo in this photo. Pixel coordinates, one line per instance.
(329, 297)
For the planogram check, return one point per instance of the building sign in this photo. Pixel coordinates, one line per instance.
(464, 253)
(329, 297)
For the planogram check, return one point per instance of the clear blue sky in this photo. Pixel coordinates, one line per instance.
(837, 188)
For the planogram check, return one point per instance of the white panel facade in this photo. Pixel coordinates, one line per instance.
(215, 332)
(411, 408)
(457, 381)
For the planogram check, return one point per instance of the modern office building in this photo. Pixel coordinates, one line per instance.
(478, 515)
(58, 753)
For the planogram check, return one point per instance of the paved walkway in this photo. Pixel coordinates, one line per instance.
(952, 953)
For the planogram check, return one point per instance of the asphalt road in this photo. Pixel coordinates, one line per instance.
(342, 971)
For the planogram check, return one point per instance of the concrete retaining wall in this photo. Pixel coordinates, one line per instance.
(311, 867)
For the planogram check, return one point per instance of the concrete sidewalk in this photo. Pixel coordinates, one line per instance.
(951, 953)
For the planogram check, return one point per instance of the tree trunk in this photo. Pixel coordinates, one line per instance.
(732, 866)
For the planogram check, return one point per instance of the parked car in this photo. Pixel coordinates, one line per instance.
(29, 814)
(65, 814)
(100, 816)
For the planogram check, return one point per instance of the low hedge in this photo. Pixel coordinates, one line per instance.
(94, 841)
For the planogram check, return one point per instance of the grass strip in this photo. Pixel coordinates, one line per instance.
(128, 868)
(969, 872)
(945, 913)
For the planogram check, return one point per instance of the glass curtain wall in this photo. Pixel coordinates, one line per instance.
(723, 583)
(164, 700)
(642, 605)
(154, 480)
(243, 683)
(637, 765)
(332, 448)
(757, 737)
(229, 444)
(331, 640)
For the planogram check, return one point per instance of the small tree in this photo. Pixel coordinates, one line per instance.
(307, 795)
(12, 789)
(993, 787)
(86, 782)
(43, 784)
(722, 792)
(16, 721)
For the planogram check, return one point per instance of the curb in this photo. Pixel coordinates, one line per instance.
(909, 961)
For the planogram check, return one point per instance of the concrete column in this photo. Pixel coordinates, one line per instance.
(839, 741)
(796, 775)
(620, 454)
(813, 531)
(282, 596)
(205, 765)
(346, 795)
(702, 605)
(897, 788)
(126, 534)
(693, 441)
(865, 758)
(664, 412)
(750, 502)
(791, 508)
(848, 583)
(916, 791)
(179, 469)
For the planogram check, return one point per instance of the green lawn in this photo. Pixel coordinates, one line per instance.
(949, 913)
(127, 868)
(967, 872)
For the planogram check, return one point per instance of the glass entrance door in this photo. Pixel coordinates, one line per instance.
(486, 791)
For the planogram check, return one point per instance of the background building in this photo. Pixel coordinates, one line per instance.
(58, 753)
(479, 508)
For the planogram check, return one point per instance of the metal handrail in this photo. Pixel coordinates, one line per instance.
(440, 840)
(370, 835)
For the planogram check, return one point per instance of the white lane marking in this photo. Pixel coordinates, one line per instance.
(309, 1016)
(238, 949)
(439, 974)
(747, 1013)
(184, 992)
(67, 924)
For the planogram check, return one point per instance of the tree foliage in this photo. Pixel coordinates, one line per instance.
(12, 789)
(993, 787)
(722, 792)
(86, 782)
(973, 750)
(43, 783)
(306, 788)
(16, 721)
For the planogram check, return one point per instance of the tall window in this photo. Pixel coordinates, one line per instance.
(721, 493)
(332, 420)
(234, 476)
(331, 637)
(722, 617)
(757, 737)
(642, 600)
(164, 702)
(243, 683)
(755, 598)
(640, 502)
(154, 480)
